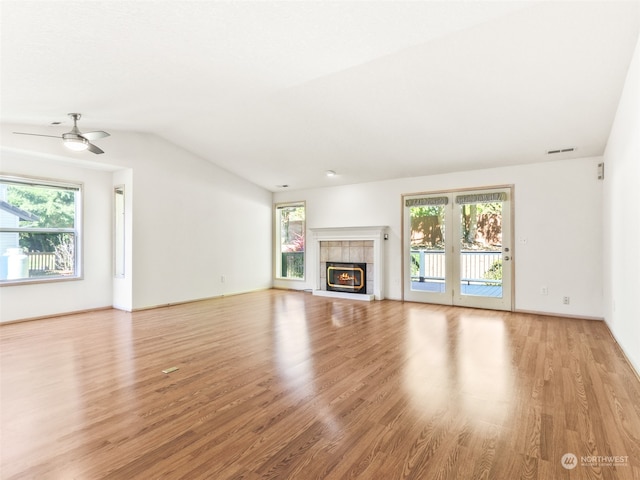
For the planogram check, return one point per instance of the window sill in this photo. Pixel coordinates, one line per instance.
(34, 281)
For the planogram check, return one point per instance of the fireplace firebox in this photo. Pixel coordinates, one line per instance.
(347, 277)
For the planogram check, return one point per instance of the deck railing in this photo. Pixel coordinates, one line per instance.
(42, 261)
(292, 265)
(474, 268)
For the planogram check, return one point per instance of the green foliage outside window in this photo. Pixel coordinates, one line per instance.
(54, 208)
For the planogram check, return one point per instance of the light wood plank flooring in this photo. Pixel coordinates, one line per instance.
(279, 384)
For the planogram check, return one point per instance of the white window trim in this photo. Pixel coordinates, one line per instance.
(77, 230)
(277, 252)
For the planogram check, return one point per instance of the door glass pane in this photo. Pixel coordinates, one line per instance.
(481, 249)
(428, 273)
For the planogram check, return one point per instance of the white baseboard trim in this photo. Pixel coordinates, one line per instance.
(559, 315)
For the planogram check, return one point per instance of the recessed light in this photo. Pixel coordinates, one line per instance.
(330, 173)
(282, 186)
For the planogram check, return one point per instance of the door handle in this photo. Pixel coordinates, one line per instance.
(507, 257)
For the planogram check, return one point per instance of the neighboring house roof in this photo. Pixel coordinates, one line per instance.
(18, 212)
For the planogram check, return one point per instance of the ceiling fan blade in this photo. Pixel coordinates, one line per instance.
(91, 136)
(93, 149)
(37, 135)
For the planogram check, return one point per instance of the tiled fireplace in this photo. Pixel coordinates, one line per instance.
(346, 253)
(349, 246)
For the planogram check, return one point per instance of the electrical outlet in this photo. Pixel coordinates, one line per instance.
(222, 278)
(544, 291)
(566, 300)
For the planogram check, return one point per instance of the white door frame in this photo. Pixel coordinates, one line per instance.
(452, 294)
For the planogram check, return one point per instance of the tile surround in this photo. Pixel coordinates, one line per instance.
(354, 251)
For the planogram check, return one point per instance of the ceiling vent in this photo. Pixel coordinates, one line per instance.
(562, 150)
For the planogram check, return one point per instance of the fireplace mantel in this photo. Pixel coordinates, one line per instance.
(367, 233)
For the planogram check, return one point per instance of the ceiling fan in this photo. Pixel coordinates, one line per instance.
(75, 139)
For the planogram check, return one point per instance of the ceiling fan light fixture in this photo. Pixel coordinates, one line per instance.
(75, 142)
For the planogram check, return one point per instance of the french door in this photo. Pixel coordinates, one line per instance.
(457, 248)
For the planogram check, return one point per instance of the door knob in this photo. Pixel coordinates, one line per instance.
(506, 257)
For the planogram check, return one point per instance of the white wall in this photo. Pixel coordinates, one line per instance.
(194, 223)
(190, 223)
(558, 211)
(94, 289)
(622, 219)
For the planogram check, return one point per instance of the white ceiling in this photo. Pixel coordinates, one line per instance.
(279, 92)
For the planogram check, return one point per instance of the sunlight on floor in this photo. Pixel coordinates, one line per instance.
(468, 365)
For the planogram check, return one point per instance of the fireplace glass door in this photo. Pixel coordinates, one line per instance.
(347, 277)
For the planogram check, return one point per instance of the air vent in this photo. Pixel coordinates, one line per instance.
(562, 150)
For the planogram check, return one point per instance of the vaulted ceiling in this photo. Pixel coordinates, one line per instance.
(280, 92)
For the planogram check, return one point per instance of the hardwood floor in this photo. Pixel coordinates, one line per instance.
(279, 384)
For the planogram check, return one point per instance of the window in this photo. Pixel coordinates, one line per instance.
(118, 231)
(290, 233)
(39, 230)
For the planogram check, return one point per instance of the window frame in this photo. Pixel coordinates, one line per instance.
(119, 231)
(278, 242)
(76, 230)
